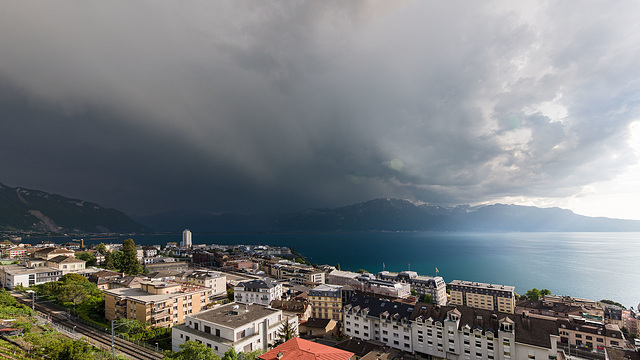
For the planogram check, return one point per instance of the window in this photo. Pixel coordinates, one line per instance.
(396, 342)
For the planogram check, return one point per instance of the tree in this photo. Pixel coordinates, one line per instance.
(338, 267)
(88, 257)
(426, 298)
(231, 354)
(192, 350)
(102, 249)
(545, 292)
(362, 271)
(130, 264)
(108, 261)
(285, 333)
(230, 294)
(533, 294)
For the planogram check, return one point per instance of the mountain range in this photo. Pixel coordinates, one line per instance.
(393, 215)
(27, 210)
(38, 211)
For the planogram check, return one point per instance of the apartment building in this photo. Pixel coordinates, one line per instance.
(66, 263)
(262, 291)
(213, 280)
(51, 252)
(448, 332)
(498, 298)
(368, 283)
(15, 252)
(157, 303)
(297, 273)
(12, 275)
(244, 327)
(326, 302)
(382, 320)
(435, 287)
(589, 334)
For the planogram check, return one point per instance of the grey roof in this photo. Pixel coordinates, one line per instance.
(228, 317)
(266, 283)
(378, 306)
(528, 329)
(65, 259)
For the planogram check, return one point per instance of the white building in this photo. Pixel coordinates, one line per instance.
(261, 291)
(210, 279)
(454, 333)
(435, 287)
(242, 327)
(186, 238)
(12, 275)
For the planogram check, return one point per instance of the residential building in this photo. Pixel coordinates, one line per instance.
(435, 287)
(589, 334)
(298, 307)
(66, 263)
(456, 333)
(157, 303)
(15, 252)
(245, 327)
(186, 239)
(51, 252)
(300, 349)
(498, 298)
(326, 302)
(261, 291)
(214, 280)
(103, 278)
(297, 273)
(368, 283)
(317, 328)
(12, 275)
(591, 309)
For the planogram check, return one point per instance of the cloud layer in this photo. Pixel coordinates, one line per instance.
(252, 106)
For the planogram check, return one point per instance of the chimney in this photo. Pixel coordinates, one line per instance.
(279, 356)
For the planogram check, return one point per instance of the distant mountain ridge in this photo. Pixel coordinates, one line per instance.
(395, 215)
(33, 210)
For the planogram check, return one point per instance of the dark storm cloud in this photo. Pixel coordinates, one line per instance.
(252, 106)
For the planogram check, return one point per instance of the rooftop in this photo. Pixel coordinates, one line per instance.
(300, 349)
(233, 315)
(483, 285)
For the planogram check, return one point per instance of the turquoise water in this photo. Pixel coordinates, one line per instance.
(591, 265)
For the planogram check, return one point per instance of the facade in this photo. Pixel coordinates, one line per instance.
(66, 263)
(592, 335)
(157, 303)
(246, 327)
(447, 332)
(186, 239)
(12, 275)
(369, 284)
(299, 274)
(262, 291)
(435, 287)
(15, 252)
(498, 298)
(213, 280)
(326, 302)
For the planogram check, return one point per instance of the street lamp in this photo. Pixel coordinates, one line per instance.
(157, 347)
(113, 327)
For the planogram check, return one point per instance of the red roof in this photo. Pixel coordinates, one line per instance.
(300, 349)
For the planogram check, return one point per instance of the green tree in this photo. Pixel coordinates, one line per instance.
(231, 354)
(230, 294)
(130, 263)
(192, 350)
(338, 267)
(426, 298)
(285, 333)
(102, 249)
(108, 261)
(413, 292)
(362, 271)
(252, 355)
(533, 294)
(88, 257)
(545, 292)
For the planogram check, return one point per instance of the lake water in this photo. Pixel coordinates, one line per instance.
(590, 265)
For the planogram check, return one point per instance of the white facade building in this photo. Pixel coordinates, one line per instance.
(242, 327)
(186, 238)
(210, 279)
(261, 291)
(12, 275)
(448, 332)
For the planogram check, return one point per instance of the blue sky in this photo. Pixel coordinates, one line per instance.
(251, 106)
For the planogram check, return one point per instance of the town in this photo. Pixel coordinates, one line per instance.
(259, 301)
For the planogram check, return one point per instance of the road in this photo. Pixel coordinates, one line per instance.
(97, 338)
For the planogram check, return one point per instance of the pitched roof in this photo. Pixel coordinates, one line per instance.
(299, 349)
(65, 259)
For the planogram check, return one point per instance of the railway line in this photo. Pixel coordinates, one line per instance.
(95, 337)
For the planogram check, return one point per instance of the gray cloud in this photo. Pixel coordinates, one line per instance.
(253, 106)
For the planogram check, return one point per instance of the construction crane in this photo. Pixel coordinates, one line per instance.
(81, 243)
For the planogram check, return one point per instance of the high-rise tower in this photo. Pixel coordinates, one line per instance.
(186, 238)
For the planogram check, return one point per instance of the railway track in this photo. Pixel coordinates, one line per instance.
(96, 337)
